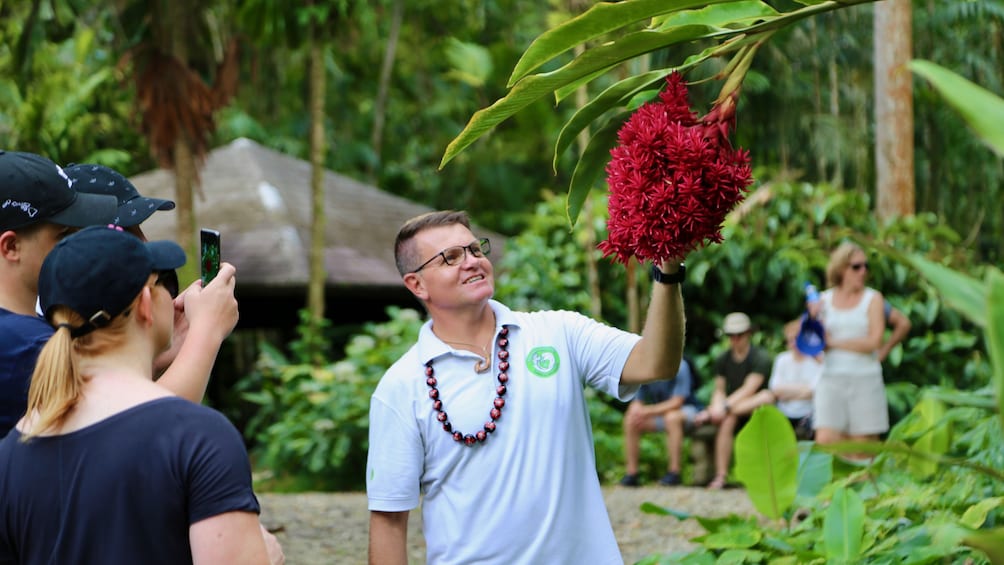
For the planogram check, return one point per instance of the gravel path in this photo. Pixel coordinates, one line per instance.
(332, 528)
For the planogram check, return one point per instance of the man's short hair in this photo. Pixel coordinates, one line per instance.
(405, 254)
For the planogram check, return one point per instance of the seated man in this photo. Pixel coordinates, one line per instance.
(740, 373)
(660, 406)
(793, 379)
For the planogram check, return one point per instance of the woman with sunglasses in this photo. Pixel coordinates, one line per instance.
(108, 466)
(850, 401)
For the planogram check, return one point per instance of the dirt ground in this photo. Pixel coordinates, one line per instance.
(332, 528)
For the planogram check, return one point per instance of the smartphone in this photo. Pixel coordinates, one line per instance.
(210, 240)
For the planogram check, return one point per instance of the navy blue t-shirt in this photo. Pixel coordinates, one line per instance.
(682, 385)
(122, 490)
(21, 339)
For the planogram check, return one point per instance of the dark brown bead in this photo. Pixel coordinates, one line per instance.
(503, 378)
(505, 331)
(499, 403)
(500, 390)
(489, 427)
(442, 417)
(429, 371)
(503, 343)
(469, 439)
(503, 355)
(431, 381)
(433, 394)
(448, 426)
(437, 405)
(481, 435)
(457, 436)
(495, 413)
(504, 366)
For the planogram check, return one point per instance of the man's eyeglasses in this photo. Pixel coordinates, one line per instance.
(168, 280)
(454, 255)
(859, 266)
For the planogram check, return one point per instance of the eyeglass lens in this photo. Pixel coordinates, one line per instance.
(454, 255)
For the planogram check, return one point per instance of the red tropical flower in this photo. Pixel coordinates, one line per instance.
(673, 177)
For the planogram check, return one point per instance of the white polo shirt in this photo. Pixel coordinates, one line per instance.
(530, 493)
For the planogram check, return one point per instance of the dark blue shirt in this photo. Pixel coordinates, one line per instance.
(123, 490)
(660, 391)
(21, 339)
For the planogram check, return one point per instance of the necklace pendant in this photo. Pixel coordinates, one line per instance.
(482, 365)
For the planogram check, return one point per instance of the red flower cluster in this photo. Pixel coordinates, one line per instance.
(673, 177)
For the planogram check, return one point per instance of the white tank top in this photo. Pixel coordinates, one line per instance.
(844, 324)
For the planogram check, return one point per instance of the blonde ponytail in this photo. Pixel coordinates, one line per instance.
(56, 383)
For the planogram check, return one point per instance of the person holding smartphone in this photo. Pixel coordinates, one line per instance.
(108, 466)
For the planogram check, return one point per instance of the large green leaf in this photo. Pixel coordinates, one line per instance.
(532, 88)
(843, 526)
(613, 96)
(930, 413)
(719, 15)
(980, 108)
(592, 162)
(767, 461)
(599, 20)
(815, 469)
(964, 293)
(995, 333)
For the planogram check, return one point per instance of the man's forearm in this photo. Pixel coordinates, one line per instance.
(388, 538)
(660, 350)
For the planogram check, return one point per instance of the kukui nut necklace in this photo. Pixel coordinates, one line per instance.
(496, 412)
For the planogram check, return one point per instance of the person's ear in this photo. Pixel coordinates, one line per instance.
(416, 284)
(9, 245)
(144, 306)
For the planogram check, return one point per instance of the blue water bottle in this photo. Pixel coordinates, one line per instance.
(811, 339)
(811, 294)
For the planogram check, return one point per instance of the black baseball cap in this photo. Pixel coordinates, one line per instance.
(98, 272)
(134, 208)
(34, 189)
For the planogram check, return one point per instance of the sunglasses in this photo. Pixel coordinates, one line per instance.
(859, 266)
(168, 280)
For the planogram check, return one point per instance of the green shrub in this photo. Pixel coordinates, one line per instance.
(311, 430)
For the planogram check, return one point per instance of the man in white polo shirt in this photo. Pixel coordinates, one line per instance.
(484, 421)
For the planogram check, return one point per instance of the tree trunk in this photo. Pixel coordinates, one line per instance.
(380, 104)
(184, 158)
(318, 275)
(894, 186)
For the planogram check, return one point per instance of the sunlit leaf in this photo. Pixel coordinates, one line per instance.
(719, 15)
(995, 334)
(936, 436)
(532, 88)
(767, 461)
(976, 515)
(962, 292)
(980, 108)
(843, 526)
(602, 18)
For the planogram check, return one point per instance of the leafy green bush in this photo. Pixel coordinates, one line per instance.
(311, 430)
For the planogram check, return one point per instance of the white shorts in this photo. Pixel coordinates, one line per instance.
(852, 404)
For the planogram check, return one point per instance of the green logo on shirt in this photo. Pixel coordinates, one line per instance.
(543, 361)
